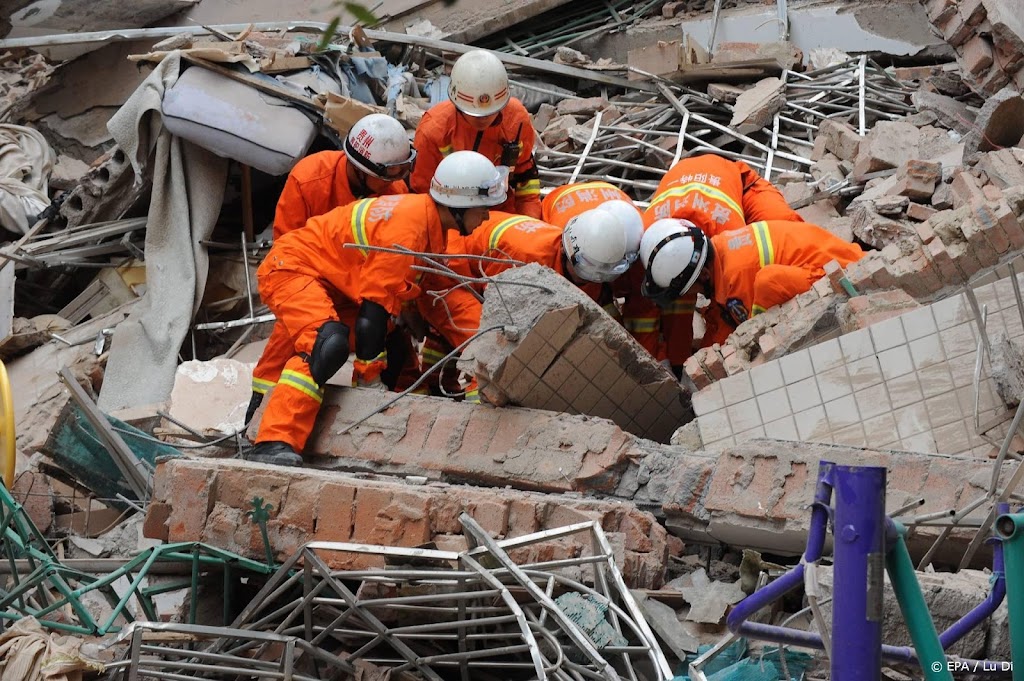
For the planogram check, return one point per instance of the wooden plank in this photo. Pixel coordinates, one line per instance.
(13, 248)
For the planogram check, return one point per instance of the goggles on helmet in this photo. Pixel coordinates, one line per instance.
(492, 189)
(601, 272)
(399, 170)
(664, 295)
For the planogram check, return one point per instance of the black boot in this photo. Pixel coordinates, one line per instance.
(254, 404)
(274, 453)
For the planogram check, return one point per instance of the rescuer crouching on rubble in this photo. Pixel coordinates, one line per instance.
(481, 115)
(716, 195)
(375, 162)
(331, 298)
(746, 270)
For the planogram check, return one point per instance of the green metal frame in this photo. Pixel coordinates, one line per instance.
(30, 595)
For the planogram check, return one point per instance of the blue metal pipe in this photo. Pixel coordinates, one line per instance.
(980, 612)
(815, 545)
(858, 570)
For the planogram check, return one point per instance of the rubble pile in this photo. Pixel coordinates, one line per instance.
(598, 516)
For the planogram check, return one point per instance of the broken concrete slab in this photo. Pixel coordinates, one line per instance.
(889, 144)
(462, 442)
(755, 108)
(709, 600)
(558, 350)
(916, 179)
(860, 312)
(840, 138)
(211, 397)
(666, 625)
(951, 112)
(207, 500)
(1004, 167)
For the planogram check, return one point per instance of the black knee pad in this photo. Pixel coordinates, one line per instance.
(330, 350)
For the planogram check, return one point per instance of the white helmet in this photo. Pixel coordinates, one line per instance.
(595, 245)
(465, 179)
(631, 220)
(479, 84)
(673, 253)
(379, 146)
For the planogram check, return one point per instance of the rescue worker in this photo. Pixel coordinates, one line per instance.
(640, 316)
(377, 158)
(481, 116)
(745, 271)
(331, 298)
(715, 194)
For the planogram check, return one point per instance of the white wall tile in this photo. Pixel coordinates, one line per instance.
(912, 420)
(922, 442)
(714, 426)
(774, 405)
(827, 355)
(796, 367)
(927, 351)
(737, 388)
(853, 436)
(864, 373)
(951, 311)
(744, 416)
(842, 413)
(803, 395)
(895, 361)
(783, 429)
(919, 322)
(887, 333)
(766, 377)
(881, 430)
(709, 399)
(856, 345)
(834, 383)
(959, 340)
(935, 380)
(872, 401)
(812, 425)
(904, 391)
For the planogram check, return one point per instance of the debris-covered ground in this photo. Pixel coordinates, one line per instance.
(596, 517)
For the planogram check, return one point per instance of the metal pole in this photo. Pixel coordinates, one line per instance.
(1010, 529)
(859, 568)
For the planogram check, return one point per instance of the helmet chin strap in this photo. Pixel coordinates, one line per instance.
(363, 190)
(460, 219)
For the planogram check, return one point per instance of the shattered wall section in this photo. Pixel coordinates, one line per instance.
(560, 351)
(205, 499)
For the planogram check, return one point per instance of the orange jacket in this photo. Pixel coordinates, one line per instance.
(318, 250)
(767, 263)
(568, 201)
(317, 184)
(717, 195)
(443, 130)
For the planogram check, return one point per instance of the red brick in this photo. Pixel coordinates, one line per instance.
(992, 192)
(991, 226)
(490, 510)
(947, 269)
(334, 511)
(980, 245)
(964, 259)
(859, 276)
(299, 504)
(522, 518)
(956, 31)
(186, 521)
(1011, 225)
(940, 10)
(876, 268)
(714, 362)
(447, 429)
(155, 525)
(965, 188)
(769, 344)
(994, 81)
(390, 518)
(976, 56)
(735, 364)
(920, 212)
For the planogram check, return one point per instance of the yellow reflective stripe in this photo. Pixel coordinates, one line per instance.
(590, 185)
(642, 325)
(765, 249)
(528, 188)
(679, 307)
(303, 384)
(757, 310)
(473, 396)
(503, 227)
(445, 150)
(359, 224)
(700, 188)
(262, 385)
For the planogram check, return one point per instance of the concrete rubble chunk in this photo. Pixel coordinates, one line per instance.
(951, 112)
(725, 92)
(861, 312)
(211, 396)
(558, 130)
(561, 352)
(709, 600)
(840, 138)
(875, 229)
(889, 144)
(1007, 22)
(206, 500)
(666, 625)
(1008, 369)
(576, 106)
(1002, 167)
(755, 108)
(1000, 123)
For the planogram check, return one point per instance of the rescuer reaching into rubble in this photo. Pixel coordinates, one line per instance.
(746, 270)
(481, 116)
(715, 194)
(377, 158)
(330, 298)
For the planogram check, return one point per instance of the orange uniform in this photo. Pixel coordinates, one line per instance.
(568, 201)
(769, 262)
(717, 195)
(444, 130)
(317, 184)
(309, 278)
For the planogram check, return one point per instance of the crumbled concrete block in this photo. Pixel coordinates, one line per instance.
(920, 212)
(725, 92)
(557, 131)
(32, 490)
(951, 112)
(976, 55)
(840, 138)
(755, 108)
(1001, 167)
(1000, 123)
(545, 114)
(1007, 30)
(942, 199)
(582, 106)
(965, 188)
(875, 229)
(665, 623)
(567, 354)
(211, 396)
(889, 144)
(709, 600)
(207, 500)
